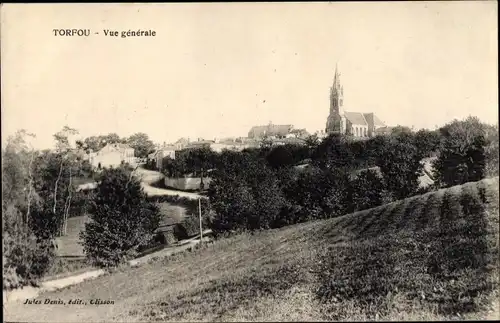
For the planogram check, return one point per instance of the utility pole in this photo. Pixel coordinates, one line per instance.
(201, 229)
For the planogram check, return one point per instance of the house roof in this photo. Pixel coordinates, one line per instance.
(356, 118)
(271, 130)
(302, 132)
(117, 146)
(167, 148)
(200, 142)
(296, 141)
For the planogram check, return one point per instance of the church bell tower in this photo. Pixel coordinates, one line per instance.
(334, 121)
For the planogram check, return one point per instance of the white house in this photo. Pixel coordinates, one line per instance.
(112, 155)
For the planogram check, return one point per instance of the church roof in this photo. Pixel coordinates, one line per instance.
(376, 121)
(356, 118)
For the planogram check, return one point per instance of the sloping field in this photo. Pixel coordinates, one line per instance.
(431, 257)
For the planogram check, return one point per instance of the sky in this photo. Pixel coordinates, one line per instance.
(216, 69)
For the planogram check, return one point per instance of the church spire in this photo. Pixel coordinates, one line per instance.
(336, 78)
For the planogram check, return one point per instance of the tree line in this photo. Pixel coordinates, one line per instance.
(140, 142)
(255, 189)
(262, 188)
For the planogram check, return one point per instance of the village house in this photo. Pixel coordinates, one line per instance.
(356, 124)
(270, 130)
(113, 155)
(181, 143)
(383, 131)
(229, 144)
(161, 153)
(200, 143)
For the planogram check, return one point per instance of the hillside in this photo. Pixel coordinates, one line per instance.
(433, 256)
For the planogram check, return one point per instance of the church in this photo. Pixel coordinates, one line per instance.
(357, 124)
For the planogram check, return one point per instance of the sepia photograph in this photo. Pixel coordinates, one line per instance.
(249, 162)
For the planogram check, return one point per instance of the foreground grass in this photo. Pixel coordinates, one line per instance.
(65, 267)
(431, 257)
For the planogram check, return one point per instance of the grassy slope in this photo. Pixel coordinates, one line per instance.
(429, 257)
(69, 245)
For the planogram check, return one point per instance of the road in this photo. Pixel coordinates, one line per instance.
(148, 177)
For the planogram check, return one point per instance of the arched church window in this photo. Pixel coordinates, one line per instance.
(366, 132)
(356, 131)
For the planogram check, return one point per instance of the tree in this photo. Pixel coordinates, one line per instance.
(280, 156)
(333, 153)
(17, 175)
(367, 189)
(427, 142)
(96, 143)
(53, 184)
(123, 220)
(492, 151)
(245, 194)
(68, 157)
(400, 165)
(397, 130)
(200, 160)
(232, 202)
(174, 167)
(334, 191)
(265, 144)
(462, 157)
(287, 155)
(26, 257)
(141, 143)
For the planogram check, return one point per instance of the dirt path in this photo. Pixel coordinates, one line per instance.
(30, 292)
(20, 295)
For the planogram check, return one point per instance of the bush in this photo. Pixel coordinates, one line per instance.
(427, 142)
(335, 190)
(367, 190)
(400, 165)
(462, 156)
(319, 193)
(333, 152)
(190, 225)
(245, 196)
(26, 255)
(26, 259)
(287, 155)
(122, 220)
(492, 151)
(233, 204)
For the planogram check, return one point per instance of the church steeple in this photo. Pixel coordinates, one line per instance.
(337, 92)
(333, 123)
